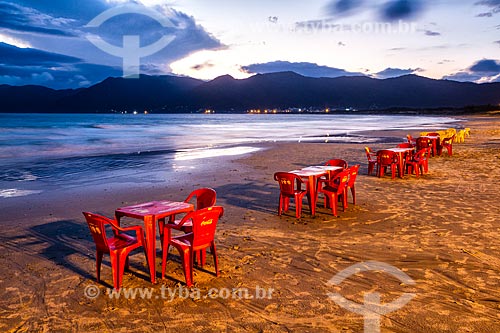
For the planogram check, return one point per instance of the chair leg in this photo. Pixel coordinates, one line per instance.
(216, 261)
(187, 266)
(164, 258)
(161, 227)
(335, 200)
(126, 264)
(98, 261)
(117, 266)
(353, 192)
(280, 205)
(333, 203)
(298, 206)
(287, 204)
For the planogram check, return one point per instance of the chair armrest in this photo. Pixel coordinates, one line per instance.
(116, 227)
(187, 217)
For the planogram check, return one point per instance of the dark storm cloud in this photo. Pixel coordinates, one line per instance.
(389, 10)
(74, 60)
(486, 65)
(401, 9)
(493, 6)
(302, 68)
(343, 6)
(11, 55)
(18, 18)
(21, 66)
(485, 69)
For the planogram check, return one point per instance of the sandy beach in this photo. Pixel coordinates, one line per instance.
(441, 230)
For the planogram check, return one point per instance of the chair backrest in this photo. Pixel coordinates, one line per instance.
(97, 228)
(423, 143)
(287, 182)
(205, 197)
(340, 181)
(369, 153)
(204, 224)
(448, 140)
(421, 155)
(353, 173)
(433, 133)
(387, 157)
(337, 162)
(405, 145)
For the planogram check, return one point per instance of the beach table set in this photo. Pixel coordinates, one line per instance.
(197, 230)
(311, 174)
(413, 155)
(401, 153)
(435, 140)
(149, 213)
(334, 179)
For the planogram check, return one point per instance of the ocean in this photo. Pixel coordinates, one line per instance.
(40, 152)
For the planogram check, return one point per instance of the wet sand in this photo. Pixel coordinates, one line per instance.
(441, 230)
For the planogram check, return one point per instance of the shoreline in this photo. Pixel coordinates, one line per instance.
(440, 229)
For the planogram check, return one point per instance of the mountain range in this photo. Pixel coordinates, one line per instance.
(274, 90)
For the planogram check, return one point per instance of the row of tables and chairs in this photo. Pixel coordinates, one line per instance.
(333, 180)
(197, 232)
(412, 156)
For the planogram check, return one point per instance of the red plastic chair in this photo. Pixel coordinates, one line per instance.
(409, 154)
(204, 222)
(448, 144)
(419, 162)
(371, 161)
(336, 190)
(337, 162)
(353, 173)
(118, 246)
(334, 162)
(387, 158)
(290, 187)
(205, 197)
(404, 145)
(411, 140)
(424, 143)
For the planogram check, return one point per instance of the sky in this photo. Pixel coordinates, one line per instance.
(77, 43)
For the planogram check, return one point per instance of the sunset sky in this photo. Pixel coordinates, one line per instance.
(48, 42)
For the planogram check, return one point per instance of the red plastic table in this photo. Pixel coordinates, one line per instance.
(312, 174)
(434, 141)
(401, 154)
(150, 212)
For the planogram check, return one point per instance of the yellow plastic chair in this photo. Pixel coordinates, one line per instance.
(451, 132)
(467, 132)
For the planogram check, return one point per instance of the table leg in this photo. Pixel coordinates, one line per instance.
(312, 194)
(150, 233)
(401, 165)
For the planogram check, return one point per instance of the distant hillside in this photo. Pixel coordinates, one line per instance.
(274, 90)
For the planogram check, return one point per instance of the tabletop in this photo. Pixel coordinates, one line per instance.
(156, 208)
(322, 168)
(400, 150)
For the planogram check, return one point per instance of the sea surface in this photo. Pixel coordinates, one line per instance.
(39, 152)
